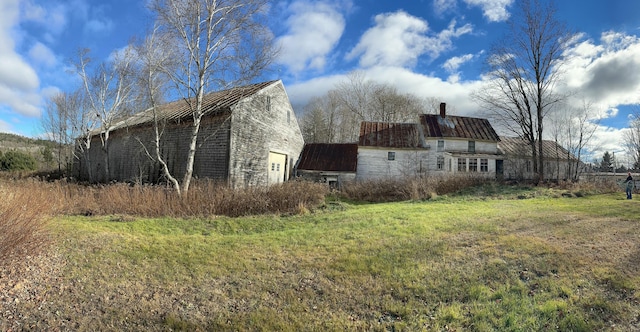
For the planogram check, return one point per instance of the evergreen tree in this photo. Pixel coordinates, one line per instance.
(606, 165)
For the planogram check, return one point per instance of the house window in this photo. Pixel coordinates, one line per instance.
(277, 167)
(528, 165)
(473, 165)
(440, 163)
(472, 146)
(440, 146)
(484, 165)
(462, 164)
(273, 166)
(391, 155)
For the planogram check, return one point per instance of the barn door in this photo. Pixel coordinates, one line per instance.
(277, 165)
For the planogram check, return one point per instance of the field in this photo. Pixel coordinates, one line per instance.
(486, 259)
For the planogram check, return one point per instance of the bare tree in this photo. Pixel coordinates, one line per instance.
(573, 128)
(108, 94)
(336, 116)
(524, 70)
(59, 123)
(220, 44)
(155, 59)
(631, 139)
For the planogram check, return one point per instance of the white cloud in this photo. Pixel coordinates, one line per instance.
(53, 16)
(399, 39)
(493, 10)
(441, 6)
(18, 80)
(41, 54)
(602, 71)
(314, 29)
(5, 127)
(454, 63)
(96, 25)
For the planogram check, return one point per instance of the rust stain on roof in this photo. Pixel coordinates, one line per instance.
(457, 127)
(329, 157)
(390, 135)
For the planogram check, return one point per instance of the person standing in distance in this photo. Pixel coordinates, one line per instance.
(629, 187)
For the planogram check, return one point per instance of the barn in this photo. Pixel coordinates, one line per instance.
(249, 136)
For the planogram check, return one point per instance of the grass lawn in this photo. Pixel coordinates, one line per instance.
(452, 263)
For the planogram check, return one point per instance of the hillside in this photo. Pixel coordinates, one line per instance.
(13, 141)
(42, 150)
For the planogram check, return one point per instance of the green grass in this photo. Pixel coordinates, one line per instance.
(455, 263)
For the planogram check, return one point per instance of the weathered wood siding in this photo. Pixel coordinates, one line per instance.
(374, 163)
(263, 123)
(520, 168)
(130, 150)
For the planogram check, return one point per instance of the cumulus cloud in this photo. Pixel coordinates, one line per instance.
(604, 71)
(313, 31)
(493, 10)
(399, 39)
(18, 80)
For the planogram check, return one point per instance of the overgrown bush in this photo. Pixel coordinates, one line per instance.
(205, 198)
(400, 189)
(24, 211)
(15, 160)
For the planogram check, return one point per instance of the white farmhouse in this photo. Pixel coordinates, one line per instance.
(439, 144)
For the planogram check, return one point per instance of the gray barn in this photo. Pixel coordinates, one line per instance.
(249, 136)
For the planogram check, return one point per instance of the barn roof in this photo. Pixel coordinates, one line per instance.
(390, 135)
(452, 126)
(180, 109)
(515, 146)
(329, 157)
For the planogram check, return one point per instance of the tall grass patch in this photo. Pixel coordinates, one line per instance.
(24, 212)
(409, 188)
(204, 199)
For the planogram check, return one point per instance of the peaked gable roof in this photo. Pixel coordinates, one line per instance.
(213, 102)
(329, 157)
(390, 135)
(451, 126)
(516, 146)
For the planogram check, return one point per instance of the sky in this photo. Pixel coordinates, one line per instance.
(431, 48)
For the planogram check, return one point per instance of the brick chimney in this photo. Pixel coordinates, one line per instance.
(443, 110)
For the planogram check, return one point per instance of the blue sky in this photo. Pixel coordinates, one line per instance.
(432, 48)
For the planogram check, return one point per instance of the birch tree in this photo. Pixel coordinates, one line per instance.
(155, 58)
(108, 97)
(524, 70)
(219, 44)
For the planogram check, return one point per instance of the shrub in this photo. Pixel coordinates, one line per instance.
(14, 160)
(416, 188)
(204, 199)
(24, 211)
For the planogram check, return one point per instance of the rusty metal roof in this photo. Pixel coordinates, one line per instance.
(390, 135)
(457, 127)
(181, 109)
(329, 157)
(516, 146)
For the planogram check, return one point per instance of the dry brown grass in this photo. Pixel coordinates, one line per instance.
(204, 199)
(24, 209)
